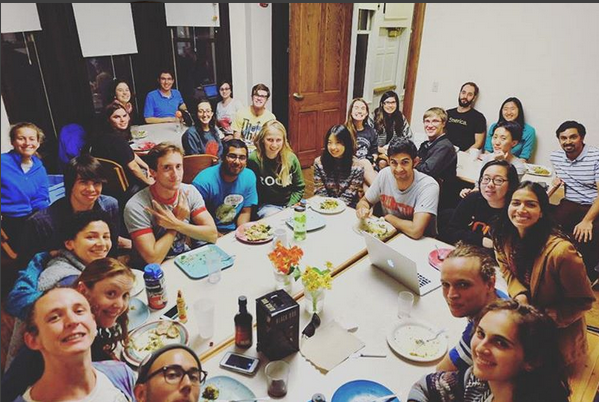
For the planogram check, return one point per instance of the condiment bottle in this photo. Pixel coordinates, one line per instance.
(155, 286)
(243, 325)
(181, 307)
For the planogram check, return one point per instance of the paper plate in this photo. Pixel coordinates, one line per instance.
(327, 205)
(142, 145)
(361, 391)
(195, 263)
(538, 170)
(138, 313)
(436, 257)
(140, 344)
(228, 389)
(402, 339)
(375, 226)
(313, 221)
(241, 234)
(139, 284)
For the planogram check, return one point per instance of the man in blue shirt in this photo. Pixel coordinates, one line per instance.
(162, 103)
(468, 280)
(229, 189)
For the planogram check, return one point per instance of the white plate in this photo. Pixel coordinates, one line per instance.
(141, 336)
(402, 339)
(313, 221)
(139, 284)
(381, 228)
(317, 202)
(530, 169)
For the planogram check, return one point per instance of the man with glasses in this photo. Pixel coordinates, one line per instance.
(162, 103)
(229, 189)
(249, 121)
(173, 373)
(466, 126)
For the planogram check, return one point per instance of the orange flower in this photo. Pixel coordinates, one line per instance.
(286, 259)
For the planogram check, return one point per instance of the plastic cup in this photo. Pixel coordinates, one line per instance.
(214, 269)
(277, 378)
(279, 235)
(405, 301)
(204, 314)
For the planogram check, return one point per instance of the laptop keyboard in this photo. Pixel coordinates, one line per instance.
(422, 280)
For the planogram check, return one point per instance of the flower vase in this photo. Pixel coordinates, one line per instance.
(314, 303)
(283, 281)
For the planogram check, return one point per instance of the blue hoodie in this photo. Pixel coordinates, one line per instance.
(23, 193)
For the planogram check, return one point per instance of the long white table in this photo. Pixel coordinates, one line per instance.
(368, 297)
(158, 133)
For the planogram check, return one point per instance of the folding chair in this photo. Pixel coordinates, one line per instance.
(117, 183)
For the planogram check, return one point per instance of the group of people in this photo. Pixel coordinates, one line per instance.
(372, 164)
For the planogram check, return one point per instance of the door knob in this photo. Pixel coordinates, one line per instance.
(297, 96)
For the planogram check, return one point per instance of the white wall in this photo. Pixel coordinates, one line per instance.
(547, 55)
(251, 48)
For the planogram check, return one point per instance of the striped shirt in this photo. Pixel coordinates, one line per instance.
(580, 175)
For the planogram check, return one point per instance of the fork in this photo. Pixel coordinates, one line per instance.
(385, 398)
(421, 342)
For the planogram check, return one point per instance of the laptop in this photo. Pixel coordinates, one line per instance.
(211, 91)
(419, 279)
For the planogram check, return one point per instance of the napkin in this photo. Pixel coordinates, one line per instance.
(330, 345)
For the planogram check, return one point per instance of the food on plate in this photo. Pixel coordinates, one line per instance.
(411, 337)
(329, 204)
(211, 392)
(257, 232)
(540, 170)
(375, 227)
(154, 339)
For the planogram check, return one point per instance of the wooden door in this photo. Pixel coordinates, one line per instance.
(319, 47)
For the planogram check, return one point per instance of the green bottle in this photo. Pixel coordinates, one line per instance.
(299, 223)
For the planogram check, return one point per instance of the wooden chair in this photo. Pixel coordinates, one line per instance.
(7, 248)
(194, 164)
(117, 183)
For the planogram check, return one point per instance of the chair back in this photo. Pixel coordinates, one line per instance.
(194, 164)
(6, 247)
(117, 183)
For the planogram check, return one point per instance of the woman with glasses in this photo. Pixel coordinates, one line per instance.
(227, 108)
(511, 110)
(389, 123)
(168, 374)
(542, 266)
(280, 181)
(515, 358)
(337, 172)
(473, 218)
(203, 137)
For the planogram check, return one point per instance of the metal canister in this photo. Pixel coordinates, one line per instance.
(155, 287)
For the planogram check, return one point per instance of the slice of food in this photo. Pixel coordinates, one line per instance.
(257, 232)
(329, 204)
(172, 332)
(211, 392)
(163, 327)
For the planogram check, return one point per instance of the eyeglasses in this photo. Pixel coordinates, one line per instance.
(174, 374)
(242, 158)
(434, 122)
(261, 96)
(390, 102)
(498, 181)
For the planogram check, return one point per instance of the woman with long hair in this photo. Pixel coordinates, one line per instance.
(226, 108)
(514, 350)
(542, 266)
(203, 137)
(473, 218)
(512, 110)
(389, 123)
(278, 171)
(364, 136)
(337, 172)
(120, 91)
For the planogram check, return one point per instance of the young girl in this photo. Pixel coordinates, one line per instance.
(204, 136)
(338, 173)
(514, 350)
(364, 136)
(227, 108)
(389, 123)
(542, 267)
(278, 171)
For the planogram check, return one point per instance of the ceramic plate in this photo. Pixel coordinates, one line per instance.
(139, 284)
(145, 340)
(313, 221)
(139, 134)
(138, 313)
(361, 391)
(375, 226)
(142, 145)
(402, 339)
(327, 205)
(436, 257)
(538, 170)
(228, 387)
(242, 232)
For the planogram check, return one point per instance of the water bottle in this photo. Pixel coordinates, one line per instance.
(155, 286)
(299, 223)
(318, 398)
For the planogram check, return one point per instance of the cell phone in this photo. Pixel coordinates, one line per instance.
(240, 363)
(171, 314)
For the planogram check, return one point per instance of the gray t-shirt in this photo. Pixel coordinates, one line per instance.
(139, 221)
(421, 196)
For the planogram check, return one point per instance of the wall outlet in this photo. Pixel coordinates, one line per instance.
(435, 86)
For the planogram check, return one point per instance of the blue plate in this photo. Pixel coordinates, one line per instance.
(361, 390)
(138, 313)
(229, 388)
(314, 221)
(193, 263)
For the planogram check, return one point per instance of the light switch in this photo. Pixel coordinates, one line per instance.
(435, 86)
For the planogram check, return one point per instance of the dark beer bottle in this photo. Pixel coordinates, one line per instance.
(243, 325)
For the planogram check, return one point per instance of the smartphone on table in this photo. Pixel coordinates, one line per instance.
(170, 314)
(240, 363)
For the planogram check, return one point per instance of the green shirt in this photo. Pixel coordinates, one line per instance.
(270, 190)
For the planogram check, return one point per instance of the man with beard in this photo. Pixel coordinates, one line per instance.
(229, 189)
(577, 168)
(249, 121)
(468, 281)
(466, 126)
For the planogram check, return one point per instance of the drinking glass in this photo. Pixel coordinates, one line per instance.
(277, 378)
(405, 302)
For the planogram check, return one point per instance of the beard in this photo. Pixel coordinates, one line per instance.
(464, 102)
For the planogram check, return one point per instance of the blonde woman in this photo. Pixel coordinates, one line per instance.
(278, 172)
